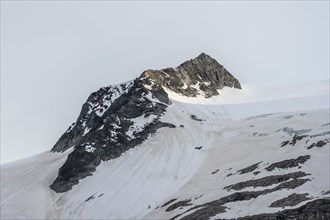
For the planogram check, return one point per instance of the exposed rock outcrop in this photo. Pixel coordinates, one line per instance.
(317, 210)
(249, 169)
(266, 181)
(211, 209)
(113, 120)
(291, 200)
(285, 164)
(200, 76)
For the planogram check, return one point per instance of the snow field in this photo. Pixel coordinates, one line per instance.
(168, 165)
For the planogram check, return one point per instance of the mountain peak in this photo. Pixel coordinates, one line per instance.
(119, 117)
(204, 60)
(202, 75)
(203, 57)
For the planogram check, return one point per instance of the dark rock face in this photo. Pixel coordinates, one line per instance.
(320, 143)
(249, 169)
(294, 140)
(179, 204)
(212, 208)
(194, 117)
(288, 163)
(108, 125)
(266, 181)
(315, 210)
(168, 202)
(291, 200)
(117, 118)
(297, 135)
(202, 75)
(214, 172)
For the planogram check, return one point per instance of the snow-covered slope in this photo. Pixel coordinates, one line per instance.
(168, 166)
(255, 99)
(251, 152)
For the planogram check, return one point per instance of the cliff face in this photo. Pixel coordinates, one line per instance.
(117, 118)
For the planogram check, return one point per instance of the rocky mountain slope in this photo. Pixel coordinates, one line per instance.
(117, 118)
(183, 143)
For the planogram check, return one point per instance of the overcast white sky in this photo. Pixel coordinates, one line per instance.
(55, 53)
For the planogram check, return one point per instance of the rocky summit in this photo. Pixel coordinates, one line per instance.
(117, 118)
(200, 76)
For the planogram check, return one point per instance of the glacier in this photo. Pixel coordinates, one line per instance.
(243, 153)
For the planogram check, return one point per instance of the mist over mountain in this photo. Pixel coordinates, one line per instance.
(189, 142)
